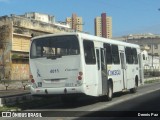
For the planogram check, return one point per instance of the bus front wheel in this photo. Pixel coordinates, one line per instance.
(134, 90)
(109, 94)
(110, 91)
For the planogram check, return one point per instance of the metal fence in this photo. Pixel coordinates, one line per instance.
(151, 73)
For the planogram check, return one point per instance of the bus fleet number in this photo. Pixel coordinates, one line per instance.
(54, 71)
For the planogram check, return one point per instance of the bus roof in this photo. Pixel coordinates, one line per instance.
(91, 37)
(107, 40)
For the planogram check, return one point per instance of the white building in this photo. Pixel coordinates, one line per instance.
(150, 62)
(45, 18)
(40, 17)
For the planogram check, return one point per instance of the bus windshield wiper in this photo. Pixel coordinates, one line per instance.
(54, 56)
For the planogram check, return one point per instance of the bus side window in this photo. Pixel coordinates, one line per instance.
(135, 58)
(129, 56)
(108, 53)
(89, 52)
(115, 54)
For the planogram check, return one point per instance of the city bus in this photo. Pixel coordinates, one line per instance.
(71, 64)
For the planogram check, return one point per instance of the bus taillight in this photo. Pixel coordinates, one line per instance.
(80, 75)
(32, 81)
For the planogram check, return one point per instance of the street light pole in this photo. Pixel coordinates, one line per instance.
(152, 55)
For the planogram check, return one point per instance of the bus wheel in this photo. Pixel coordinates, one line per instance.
(110, 91)
(134, 90)
(109, 94)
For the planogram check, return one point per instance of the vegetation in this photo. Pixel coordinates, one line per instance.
(9, 108)
(151, 81)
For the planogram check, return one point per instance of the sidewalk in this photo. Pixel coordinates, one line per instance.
(13, 87)
(13, 92)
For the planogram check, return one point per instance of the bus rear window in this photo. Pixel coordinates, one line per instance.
(55, 46)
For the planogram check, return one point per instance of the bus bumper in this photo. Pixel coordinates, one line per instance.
(55, 91)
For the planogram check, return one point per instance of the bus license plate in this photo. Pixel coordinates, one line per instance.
(55, 81)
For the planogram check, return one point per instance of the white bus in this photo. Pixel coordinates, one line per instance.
(77, 63)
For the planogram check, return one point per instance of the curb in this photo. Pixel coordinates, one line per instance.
(13, 99)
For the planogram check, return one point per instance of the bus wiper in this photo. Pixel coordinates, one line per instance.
(54, 56)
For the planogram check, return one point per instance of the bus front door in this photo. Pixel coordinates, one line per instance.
(123, 67)
(102, 71)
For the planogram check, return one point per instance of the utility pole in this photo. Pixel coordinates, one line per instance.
(152, 58)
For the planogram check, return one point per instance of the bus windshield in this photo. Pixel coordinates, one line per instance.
(54, 47)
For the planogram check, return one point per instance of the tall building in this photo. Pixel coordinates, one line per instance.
(75, 22)
(103, 26)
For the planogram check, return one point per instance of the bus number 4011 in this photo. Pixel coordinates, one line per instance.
(54, 71)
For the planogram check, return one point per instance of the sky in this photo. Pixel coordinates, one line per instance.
(128, 16)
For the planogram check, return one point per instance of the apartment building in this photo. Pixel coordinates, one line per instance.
(75, 22)
(103, 26)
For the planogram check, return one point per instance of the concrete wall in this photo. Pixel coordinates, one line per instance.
(15, 35)
(37, 25)
(5, 48)
(20, 71)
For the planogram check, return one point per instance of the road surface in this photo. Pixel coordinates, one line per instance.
(143, 103)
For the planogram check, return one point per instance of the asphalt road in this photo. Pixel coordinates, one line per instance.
(126, 105)
(145, 107)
